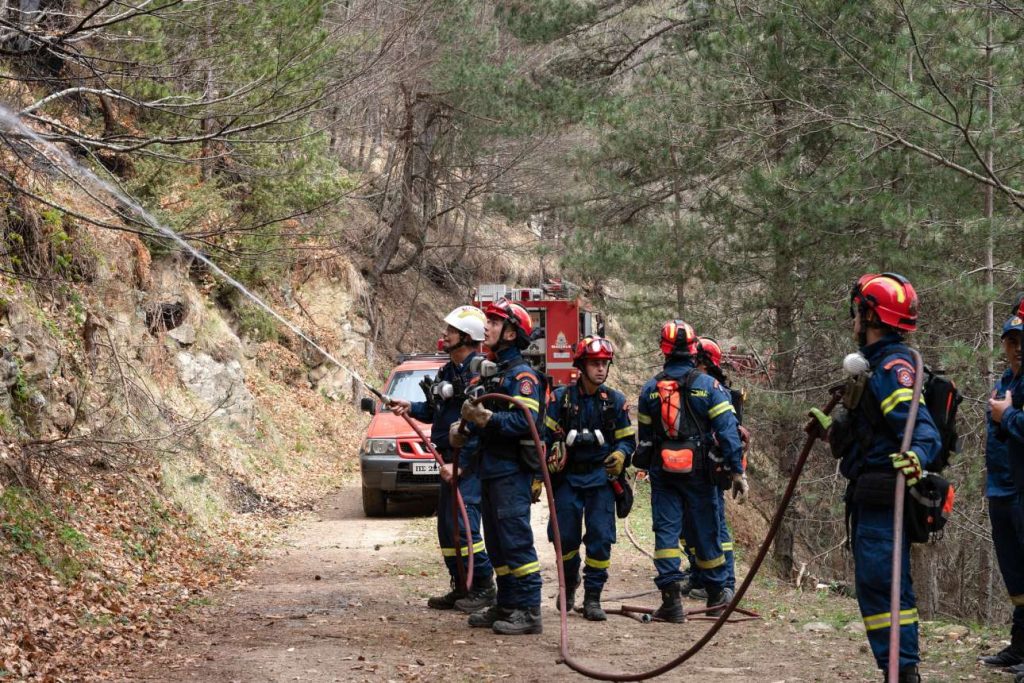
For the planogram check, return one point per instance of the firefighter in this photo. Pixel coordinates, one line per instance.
(461, 341)
(866, 437)
(508, 462)
(1005, 497)
(709, 361)
(677, 412)
(590, 440)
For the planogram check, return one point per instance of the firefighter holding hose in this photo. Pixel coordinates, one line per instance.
(463, 334)
(507, 463)
(866, 436)
(590, 440)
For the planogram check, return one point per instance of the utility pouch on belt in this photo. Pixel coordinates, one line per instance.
(642, 455)
(529, 456)
(877, 489)
(680, 457)
(929, 505)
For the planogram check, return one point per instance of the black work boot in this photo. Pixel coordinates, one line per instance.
(910, 675)
(522, 621)
(479, 598)
(720, 599)
(1013, 655)
(671, 609)
(570, 597)
(487, 616)
(1019, 678)
(1018, 669)
(698, 594)
(448, 600)
(592, 606)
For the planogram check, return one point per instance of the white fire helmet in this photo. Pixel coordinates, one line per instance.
(468, 319)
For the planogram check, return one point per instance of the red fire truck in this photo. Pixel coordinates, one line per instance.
(557, 308)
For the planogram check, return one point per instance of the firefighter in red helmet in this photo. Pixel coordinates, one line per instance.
(866, 437)
(590, 440)
(508, 463)
(678, 411)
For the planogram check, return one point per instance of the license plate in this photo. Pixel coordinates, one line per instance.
(425, 468)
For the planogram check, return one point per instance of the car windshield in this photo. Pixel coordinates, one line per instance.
(406, 384)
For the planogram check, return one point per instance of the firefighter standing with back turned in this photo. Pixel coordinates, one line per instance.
(462, 337)
(677, 412)
(507, 463)
(590, 440)
(709, 361)
(867, 438)
(1004, 457)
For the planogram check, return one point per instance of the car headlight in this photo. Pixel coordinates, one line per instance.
(381, 446)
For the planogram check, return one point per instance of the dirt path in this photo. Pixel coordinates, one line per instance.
(345, 600)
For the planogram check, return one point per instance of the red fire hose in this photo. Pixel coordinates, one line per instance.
(465, 573)
(897, 525)
(812, 430)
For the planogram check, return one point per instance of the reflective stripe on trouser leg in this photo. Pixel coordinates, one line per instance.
(872, 556)
(569, 509)
(667, 522)
(700, 498)
(511, 502)
(599, 512)
(1007, 515)
(482, 569)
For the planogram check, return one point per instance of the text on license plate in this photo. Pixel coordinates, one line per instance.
(425, 468)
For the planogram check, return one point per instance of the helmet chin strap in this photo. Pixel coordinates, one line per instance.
(463, 341)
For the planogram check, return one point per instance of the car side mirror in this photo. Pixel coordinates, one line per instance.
(368, 405)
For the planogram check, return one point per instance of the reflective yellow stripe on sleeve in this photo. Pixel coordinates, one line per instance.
(723, 407)
(625, 431)
(899, 396)
(550, 424)
(643, 419)
(530, 403)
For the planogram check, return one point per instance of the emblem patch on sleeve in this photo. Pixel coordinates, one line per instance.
(904, 377)
(525, 387)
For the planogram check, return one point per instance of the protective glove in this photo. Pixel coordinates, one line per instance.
(909, 464)
(475, 413)
(535, 490)
(456, 439)
(823, 422)
(400, 407)
(614, 463)
(557, 457)
(740, 488)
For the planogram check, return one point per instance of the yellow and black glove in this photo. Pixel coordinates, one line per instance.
(909, 465)
(536, 488)
(557, 457)
(614, 463)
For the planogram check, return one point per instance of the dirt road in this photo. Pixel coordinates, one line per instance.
(344, 599)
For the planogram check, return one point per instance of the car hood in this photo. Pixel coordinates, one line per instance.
(387, 425)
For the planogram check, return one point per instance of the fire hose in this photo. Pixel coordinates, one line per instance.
(897, 525)
(812, 430)
(464, 570)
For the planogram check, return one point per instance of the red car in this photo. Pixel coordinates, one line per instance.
(394, 463)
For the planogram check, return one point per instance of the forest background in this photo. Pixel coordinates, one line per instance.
(736, 164)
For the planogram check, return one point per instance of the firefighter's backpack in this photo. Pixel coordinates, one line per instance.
(682, 446)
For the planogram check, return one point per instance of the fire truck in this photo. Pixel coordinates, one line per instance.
(563, 316)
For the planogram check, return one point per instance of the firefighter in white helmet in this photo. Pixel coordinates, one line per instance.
(444, 397)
